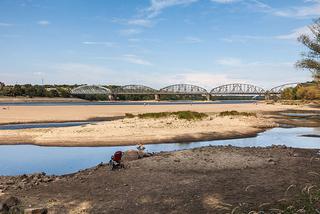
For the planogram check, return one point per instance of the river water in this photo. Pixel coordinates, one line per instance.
(25, 159)
(184, 102)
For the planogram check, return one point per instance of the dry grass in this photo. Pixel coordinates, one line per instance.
(307, 201)
(236, 113)
(186, 115)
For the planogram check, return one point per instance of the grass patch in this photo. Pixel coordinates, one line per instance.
(236, 113)
(307, 201)
(129, 115)
(186, 115)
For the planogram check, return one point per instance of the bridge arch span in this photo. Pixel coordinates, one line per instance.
(279, 89)
(90, 89)
(187, 89)
(237, 89)
(134, 89)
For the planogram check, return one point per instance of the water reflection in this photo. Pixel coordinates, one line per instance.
(42, 125)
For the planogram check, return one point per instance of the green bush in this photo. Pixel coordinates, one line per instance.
(307, 91)
(236, 113)
(186, 115)
(129, 115)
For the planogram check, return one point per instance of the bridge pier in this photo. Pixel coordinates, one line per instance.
(157, 97)
(208, 96)
(111, 97)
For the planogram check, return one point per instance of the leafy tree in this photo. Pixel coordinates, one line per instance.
(311, 59)
(289, 94)
(2, 85)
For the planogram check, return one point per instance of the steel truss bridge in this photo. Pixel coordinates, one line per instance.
(234, 89)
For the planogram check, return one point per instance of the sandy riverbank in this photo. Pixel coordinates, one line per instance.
(28, 114)
(203, 180)
(135, 131)
(132, 131)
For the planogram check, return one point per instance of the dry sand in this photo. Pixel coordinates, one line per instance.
(135, 131)
(28, 114)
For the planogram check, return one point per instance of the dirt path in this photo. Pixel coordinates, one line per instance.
(204, 180)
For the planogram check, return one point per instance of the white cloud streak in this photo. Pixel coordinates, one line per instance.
(129, 58)
(43, 23)
(107, 44)
(3, 24)
(192, 40)
(224, 1)
(295, 33)
(130, 32)
(140, 22)
(157, 6)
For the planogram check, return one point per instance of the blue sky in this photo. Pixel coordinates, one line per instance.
(153, 42)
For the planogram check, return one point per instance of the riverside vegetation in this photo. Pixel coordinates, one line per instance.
(189, 115)
(186, 115)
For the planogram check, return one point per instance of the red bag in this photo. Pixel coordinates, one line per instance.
(117, 156)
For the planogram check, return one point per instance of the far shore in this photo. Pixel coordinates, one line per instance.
(39, 99)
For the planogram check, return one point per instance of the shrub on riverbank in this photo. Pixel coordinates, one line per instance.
(307, 91)
(236, 113)
(129, 115)
(186, 115)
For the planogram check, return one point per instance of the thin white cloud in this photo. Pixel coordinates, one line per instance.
(3, 24)
(229, 61)
(135, 59)
(295, 33)
(205, 79)
(146, 17)
(79, 72)
(157, 6)
(140, 22)
(224, 1)
(305, 11)
(255, 5)
(38, 73)
(107, 44)
(192, 40)
(312, 10)
(129, 32)
(43, 23)
(266, 74)
(129, 58)
(243, 38)
(134, 40)
(10, 35)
